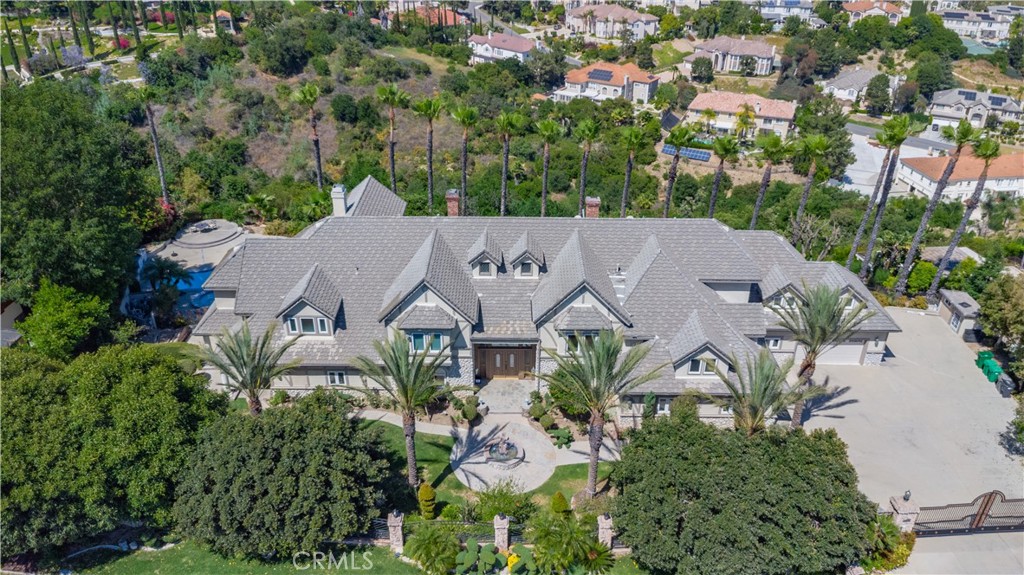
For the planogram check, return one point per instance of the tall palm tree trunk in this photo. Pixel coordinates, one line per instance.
(391, 149)
(255, 406)
(879, 213)
(625, 185)
(955, 240)
(867, 211)
(113, 25)
(465, 168)
(85, 28)
(504, 176)
(156, 152)
(672, 171)
(316, 151)
(74, 25)
(179, 23)
(430, 165)
(596, 438)
(131, 18)
(714, 188)
(583, 177)
(803, 198)
(24, 38)
(908, 262)
(804, 375)
(765, 180)
(409, 429)
(544, 182)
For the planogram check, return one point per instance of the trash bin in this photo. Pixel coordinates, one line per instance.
(1005, 385)
(982, 357)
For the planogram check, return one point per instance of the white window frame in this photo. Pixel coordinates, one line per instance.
(774, 342)
(293, 325)
(955, 321)
(480, 269)
(321, 325)
(526, 269)
(707, 366)
(428, 339)
(302, 325)
(663, 406)
(335, 378)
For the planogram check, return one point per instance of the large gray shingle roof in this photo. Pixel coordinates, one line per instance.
(574, 268)
(372, 198)
(317, 289)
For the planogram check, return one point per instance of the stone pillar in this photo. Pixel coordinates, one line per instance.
(904, 512)
(605, 530)
(593, 207)
(396, 539)
(501, 532)
(452, 197)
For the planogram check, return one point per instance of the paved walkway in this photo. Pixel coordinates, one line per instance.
(507, 396)
(470, 451)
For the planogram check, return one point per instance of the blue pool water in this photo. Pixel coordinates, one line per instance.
(195, 281)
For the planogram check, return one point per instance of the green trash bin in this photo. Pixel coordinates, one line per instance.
(982, 357)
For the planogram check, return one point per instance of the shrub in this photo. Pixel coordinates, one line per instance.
(280, 397)
(883, 298)
(559, 504)
(919, 302)
(506, 498)
(428, 500)
(321, 66)
(470, 408)
(565, 399)
(480, 558)
(433, 548)
(546, 421)
(537, 410)
(61, 321)
(562, 437)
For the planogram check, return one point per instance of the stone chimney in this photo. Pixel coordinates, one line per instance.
(339, 200)
(593, 207)
(757, 106)
(452, 197)
(490, 33)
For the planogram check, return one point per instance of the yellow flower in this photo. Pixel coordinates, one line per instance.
(512, 560)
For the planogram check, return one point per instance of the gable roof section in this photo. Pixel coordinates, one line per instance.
(731, 103)
(868, 5)
(485, 245)
(526, 245)
(968, 167)
(435, 266)
(426, 316)
(575, 267)
(317, 289)
(970, 98)
(852, 79)
(582, 318)
(641, 263)
(228, 271)
(508, 42)
(738, 47)
(613, 12)
(372, 198)
(619, 74)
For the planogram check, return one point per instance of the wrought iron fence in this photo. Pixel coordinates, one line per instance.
(989, 512)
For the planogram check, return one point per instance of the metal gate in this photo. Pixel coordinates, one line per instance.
(987, 513)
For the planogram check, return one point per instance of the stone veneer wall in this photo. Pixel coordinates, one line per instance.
(460, 372)
(873, 358)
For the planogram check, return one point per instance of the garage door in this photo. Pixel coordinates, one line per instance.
(845, 354)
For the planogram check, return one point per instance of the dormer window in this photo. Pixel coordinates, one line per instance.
(526, 269)
(309, 326)
(420, 342)
(702, 366)
(484, 269)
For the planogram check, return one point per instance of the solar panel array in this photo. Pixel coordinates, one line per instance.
(691, 153)
(997, 101)
(600, 75)
(967, 95)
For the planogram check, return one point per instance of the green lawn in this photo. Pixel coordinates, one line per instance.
(569, 479)
(666, 55)
(432, 454)
(190, 558)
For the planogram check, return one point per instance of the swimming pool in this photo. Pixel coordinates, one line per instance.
(195, 281)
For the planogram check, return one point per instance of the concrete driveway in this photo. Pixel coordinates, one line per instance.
(927, 420)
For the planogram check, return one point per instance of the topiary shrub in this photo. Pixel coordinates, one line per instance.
(559, 504)
(504, 497)
(537, 410)
(470, 408)
(428, 500)
(562, 437)
(546, 421)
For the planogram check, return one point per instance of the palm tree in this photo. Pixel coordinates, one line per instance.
(434, 548)
(680, 137)
(986, 150)
(774, 150)
(565, 544)
(586, 131)
(131, 18)
(146, 95)
(84, 6)
(409, 379)
(307, 96)
(963, 134)
(745, 121)
(708, 115)
(467, 117)
(507, 123)
(429, 109)
(393, 97)
(894, 133)
(870, 207)
(113, 25)
(160, 272)
(813, 147)
(74, 25)
(728, 150)
(550, 133)
(759, 392)
(250, 365)
(18, 8)
(598, 377)
(632, 139)
(820, 321)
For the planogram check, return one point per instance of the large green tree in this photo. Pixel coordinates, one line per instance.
(825, 116)
(74, 200)
(695, 499)
(680, 137)
(61, 320)
(727, 149)
(284, 482)
(1002, 314)
(94, 443)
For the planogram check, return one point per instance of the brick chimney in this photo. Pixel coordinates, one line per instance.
(452, 197)
(593, 207)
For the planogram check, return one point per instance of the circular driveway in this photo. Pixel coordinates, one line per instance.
(468, 457)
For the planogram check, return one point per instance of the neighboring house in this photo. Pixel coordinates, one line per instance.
(1009, 10)
(950, 106)
(977, 25)
(771, 116)
(498, 46)
(503, 291)
(960, 311)
(921, 175)
(608, 21)
(10, 312)
(850, 84)
(777, 11)
(934, 254)
(727, 54)
(858, 10)
(429, 12)
(603, 81)
(225, 20)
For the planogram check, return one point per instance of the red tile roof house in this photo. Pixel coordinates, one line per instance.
(771, 116)
(858, 10)
(604, 81)
(921, 175)
(726, 55)
(498, 46)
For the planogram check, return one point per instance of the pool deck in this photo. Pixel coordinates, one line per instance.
(201, 244)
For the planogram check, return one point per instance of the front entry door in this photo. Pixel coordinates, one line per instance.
(505, 361)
